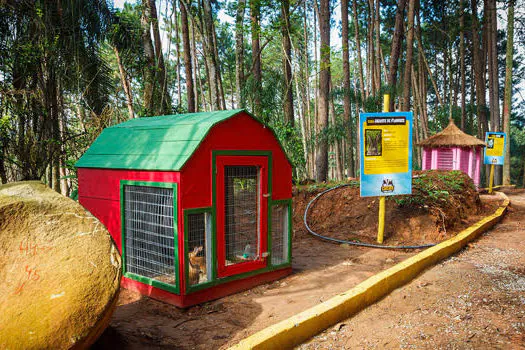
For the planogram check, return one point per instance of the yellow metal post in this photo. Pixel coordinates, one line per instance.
(386, 103)
(491, 180)
(381, 223)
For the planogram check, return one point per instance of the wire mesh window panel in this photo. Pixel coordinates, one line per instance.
(199, 250)
(279, 234)
(242, 213)
(149, 232)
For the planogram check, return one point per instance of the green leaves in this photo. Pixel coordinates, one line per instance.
(290, 138)
(430, 188)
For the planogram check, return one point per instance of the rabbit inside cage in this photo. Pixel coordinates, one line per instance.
(197, 254)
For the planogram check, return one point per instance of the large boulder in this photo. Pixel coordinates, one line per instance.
(59, 270)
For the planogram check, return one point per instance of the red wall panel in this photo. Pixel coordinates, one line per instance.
(105, 183)
(99, 192)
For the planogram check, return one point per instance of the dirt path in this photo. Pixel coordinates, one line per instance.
(140, 322)
(473, 300)
(321, 270)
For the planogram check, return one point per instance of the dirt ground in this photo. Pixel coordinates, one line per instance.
(473, 300)
(442, 202)
(320, 271)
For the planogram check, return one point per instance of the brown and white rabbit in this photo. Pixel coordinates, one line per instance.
(197, 266)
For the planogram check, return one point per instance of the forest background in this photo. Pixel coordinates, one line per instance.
(70, 68)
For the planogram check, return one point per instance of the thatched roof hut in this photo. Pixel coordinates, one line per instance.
(451, 136)
(452, 149)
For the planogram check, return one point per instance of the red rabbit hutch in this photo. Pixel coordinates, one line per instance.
(198, 204)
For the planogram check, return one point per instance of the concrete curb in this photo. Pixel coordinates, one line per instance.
(300, 327)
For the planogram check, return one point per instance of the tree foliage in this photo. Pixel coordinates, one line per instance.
(72, 67)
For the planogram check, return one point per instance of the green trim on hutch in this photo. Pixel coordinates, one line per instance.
(142, 279)
(235, 277)
(288, 203)
(269, 156)
(196, 287)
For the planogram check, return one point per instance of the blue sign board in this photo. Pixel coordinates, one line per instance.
(386, 153)
(495, 150)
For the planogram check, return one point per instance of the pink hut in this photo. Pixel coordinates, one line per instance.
(452, 149)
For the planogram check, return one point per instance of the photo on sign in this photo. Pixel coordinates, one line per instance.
(490, 143)
(373, 144)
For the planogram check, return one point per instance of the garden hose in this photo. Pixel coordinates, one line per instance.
(369, 245)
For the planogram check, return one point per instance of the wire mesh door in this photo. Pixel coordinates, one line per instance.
(242, 184)
(149, 233)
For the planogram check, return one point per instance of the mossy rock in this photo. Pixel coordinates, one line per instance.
(59, 268)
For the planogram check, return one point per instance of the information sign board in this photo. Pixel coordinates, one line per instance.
(495, 150)
(385, 153)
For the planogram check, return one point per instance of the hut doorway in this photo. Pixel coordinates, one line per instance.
(242, 213)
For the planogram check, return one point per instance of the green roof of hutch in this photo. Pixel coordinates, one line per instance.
(152, 143)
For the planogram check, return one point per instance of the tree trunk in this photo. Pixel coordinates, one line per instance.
(3, 173)
(507, 102)
(462, 62)
(396, 49)
(479, 70)
(197, 88)
(346, 85)
(49, 174)
(177, 47)
(64, 187)
(256, 57)
(423, 100)
(222, 101)
(422, 79)
(417, 118)
(188, 69)
(450, 79)
(445, 73)
(239, 53)
(494, 75)
(149, 55)
(3, 153)
(339, 168)
(165, 101)
(211, 57)
(493, 66)
(432, 80)
(370, 62)
(316, 81)
(358, 49)
(287, 63)
(308, 112)
(125, 84)
(405, 106)
(57, 138)
(210, 81)
(324, 90)
(377, 47)
(300, 95)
